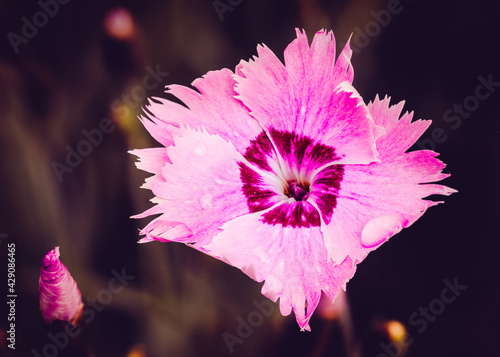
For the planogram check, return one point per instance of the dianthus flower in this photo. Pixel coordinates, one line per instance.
(284, 172)
(60, 298)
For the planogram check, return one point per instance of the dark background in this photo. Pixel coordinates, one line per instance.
(180, 303)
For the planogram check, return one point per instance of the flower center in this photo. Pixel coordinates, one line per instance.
(294, 176)
(298, 190)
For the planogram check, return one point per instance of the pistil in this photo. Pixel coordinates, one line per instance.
(299, 191)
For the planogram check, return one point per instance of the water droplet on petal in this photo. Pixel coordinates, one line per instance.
(206, 201)
(199, 149)
(379, 229)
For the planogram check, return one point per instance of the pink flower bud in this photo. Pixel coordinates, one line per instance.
(60, 298)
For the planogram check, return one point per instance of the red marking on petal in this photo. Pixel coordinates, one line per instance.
(259, 151)
(296, 215)
(325, 189)
(258, 196)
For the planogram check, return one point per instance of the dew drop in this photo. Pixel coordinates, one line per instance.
(200, 149)
(206, 201)
(379, 229)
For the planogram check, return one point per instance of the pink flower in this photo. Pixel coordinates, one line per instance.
(60, 298)
(284, 172)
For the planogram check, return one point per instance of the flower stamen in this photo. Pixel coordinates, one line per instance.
(298, 190)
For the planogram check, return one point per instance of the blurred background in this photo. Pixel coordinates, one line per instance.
(71, 69)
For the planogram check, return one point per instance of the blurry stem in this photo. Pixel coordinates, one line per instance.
(352, 346)
(323, 340)
(73, 339)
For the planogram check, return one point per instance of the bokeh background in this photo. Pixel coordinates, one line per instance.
(77, 71)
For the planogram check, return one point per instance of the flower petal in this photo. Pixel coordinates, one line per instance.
(401, 133)
(60, 298)
(213, 107)
(202, 189)
(376, 201)
(318, 60)
(151, 160)
(310, 96)
(293, 262)
(159, 130)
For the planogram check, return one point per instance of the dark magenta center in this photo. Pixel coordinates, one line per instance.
(299, 191)
(300, 156)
